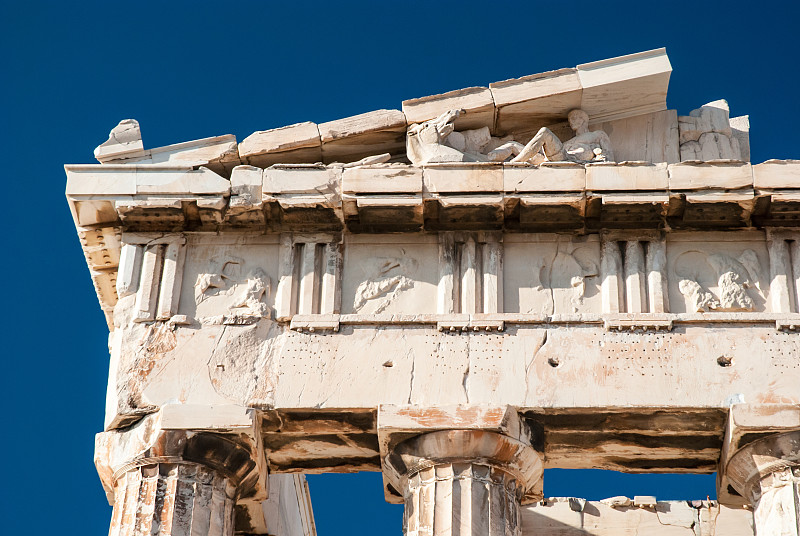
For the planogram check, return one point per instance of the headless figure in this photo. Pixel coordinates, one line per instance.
(586, 146)
(436, 141)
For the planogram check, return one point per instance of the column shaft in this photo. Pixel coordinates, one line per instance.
(776, 508)
(461, 499)
(766, 471)
(172, 499)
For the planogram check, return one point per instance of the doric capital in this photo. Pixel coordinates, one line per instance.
(463, 481)
(497, 451)
(227, 442)
(752, 467)
(413, 439)
(747, 425)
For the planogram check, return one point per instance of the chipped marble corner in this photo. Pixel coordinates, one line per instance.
(124, 141)
(159, 363)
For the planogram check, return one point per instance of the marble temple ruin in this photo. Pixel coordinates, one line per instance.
(554, 271)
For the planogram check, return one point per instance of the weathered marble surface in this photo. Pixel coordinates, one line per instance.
(765, 470)
(707, 134)
(307, 301)
(189, 469)
(611, 91)
(560, 309)
(395, 197)
(568, 516)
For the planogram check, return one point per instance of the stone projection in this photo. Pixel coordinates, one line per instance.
(551, 271)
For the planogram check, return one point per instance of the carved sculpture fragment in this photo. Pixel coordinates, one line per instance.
(734, 277)
(244, 295)
(124, 141)
(388, 277)
(558, 283)
(705, 134)
(437, 141)
(586, 146)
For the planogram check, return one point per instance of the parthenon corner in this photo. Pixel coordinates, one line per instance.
(554, 271)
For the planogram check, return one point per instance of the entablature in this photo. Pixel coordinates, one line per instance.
(626, 199)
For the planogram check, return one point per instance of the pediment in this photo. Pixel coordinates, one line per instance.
(608, 90)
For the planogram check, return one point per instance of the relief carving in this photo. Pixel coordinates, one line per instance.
(387, 278)
(585, 146)
(734, 278)
(700, 299)
(437, 141)
(542, 298)
(243, 297)
(559, 286)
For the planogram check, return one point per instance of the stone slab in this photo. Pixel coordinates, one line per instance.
(568, 516)
(371, 133)
(96, 179)
(459, 178)
(475, 101)
(219, 153)
(628, 177)
(777, 174)
(300, 179)
(247, 181)
(626, 85)
(544, 178)
(202, 417)
(651, 137)
(531, 102)
(715, 175)
(740, 130)
(154, 180)
(382, 180)
(298, 143)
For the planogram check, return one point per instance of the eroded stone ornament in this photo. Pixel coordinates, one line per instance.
(437, 141)
(586, 146)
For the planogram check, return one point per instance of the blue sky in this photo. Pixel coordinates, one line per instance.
(187, 70)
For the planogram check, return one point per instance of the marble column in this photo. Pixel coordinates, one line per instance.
(767, 473)
(173, 499)
(175, 482)
(463, 482)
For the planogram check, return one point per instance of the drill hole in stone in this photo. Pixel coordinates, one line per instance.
(724, 361)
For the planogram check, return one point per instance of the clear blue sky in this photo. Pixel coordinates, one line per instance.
(69, 71)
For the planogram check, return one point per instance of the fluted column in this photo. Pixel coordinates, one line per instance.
(767, 473)
(173, 499)
(169, 481)
(461, 498)
(463, 482)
